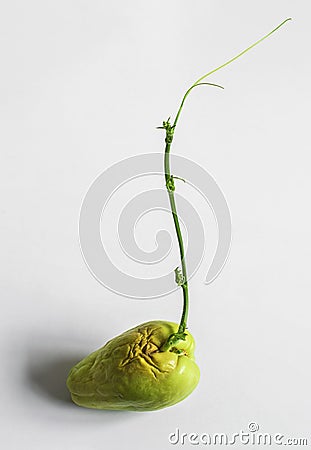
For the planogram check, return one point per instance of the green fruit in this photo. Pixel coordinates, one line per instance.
(131, 372)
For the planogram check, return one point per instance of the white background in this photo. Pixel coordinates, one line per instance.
(83, 85)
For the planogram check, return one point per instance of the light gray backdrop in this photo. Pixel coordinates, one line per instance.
(83, 85)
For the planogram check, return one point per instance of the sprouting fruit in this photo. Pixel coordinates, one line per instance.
(131, 372)
(151, 366)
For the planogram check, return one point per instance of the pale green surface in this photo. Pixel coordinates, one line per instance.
(130, 373)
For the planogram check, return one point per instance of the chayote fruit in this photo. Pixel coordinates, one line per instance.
(131, 372)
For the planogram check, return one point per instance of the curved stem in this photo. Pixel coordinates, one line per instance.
(196, 83)
(181, 277)
(170, 188)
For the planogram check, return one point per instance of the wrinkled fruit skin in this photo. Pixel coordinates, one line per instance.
(130, 373)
